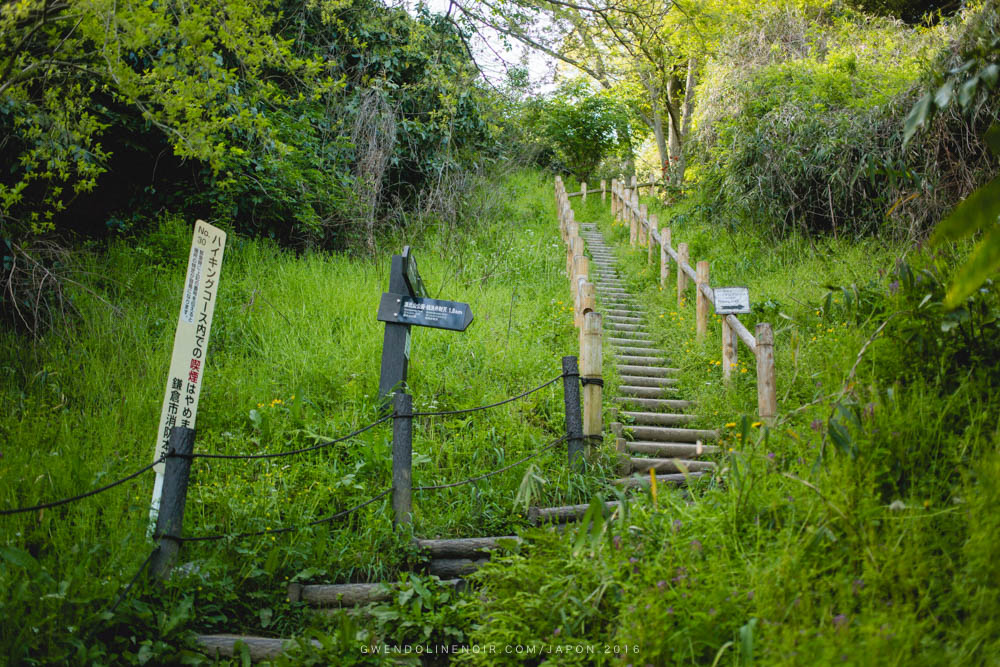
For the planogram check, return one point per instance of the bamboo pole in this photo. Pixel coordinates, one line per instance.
(682, 280)
(590, 369)
(603, 188)
(654, 223)
(729, 350)
(614, 198)
(583, 192)
(767, 399)
(701, 301)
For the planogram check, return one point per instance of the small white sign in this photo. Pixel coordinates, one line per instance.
(187, 366)
(731, 300)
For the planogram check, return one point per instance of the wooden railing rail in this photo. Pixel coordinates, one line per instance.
(644, 227)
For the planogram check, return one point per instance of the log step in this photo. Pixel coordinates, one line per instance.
(643, 381)
(683, 450)
(260, 648)
(640, 464)
(665, 434)
(537, 515)
(649, 371)
(636, 360)
(348, 595)
(662, 403)
(630, 341)
(468, 547)
(623, 327)
(449, 568)
(658, 418)
(645, 392)
(625, 319)
(643, 480)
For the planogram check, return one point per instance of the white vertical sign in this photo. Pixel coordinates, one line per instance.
(187, 365)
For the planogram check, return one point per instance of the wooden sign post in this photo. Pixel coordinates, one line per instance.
(187, 366)
(406, 304)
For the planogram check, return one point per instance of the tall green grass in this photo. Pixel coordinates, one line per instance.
(293, 361)
(852, 530)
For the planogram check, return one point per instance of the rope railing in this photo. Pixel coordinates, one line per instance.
(247, 457)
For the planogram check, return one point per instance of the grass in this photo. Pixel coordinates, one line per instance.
(293, 360)
(849, 531)
(856, 528)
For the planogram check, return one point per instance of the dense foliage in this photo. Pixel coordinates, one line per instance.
(806, 133)
(298, 119)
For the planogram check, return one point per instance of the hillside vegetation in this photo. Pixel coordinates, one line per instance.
(808, 150)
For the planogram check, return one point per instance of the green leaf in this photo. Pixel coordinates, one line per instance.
(917, 117)
(978, 211)
(989, 74)
(992, 139)
(967, 91)
(18, 557)
(944, 94)
(984, 262)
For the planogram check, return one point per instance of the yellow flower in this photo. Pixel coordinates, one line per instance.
(731, 425)
(755, 424)
(743, 370)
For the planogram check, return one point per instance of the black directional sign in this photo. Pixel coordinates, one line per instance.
(406, 304)
(423, 312)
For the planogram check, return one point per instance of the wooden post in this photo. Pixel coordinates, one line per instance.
(402, 460)
(729, 349)
(633, 219)
(583, 192)
(682, 279)
(767, 399)
(580, 299)
(621, 449)
(664, 257)
(643, 225)
(701, 301)
(170, 519)
(654, 222)
(603, 187)
(590, 371)
(571, 403)
(635, 181)
(614, 198)
(589, 302)
(575, 248)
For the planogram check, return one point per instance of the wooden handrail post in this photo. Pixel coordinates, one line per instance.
(591, 375)
(682, 279)
(701, 301)
(170, 516)
(575, 248)
(633, 219)
(729, 350)
(767, 399)
(402, 460)
(654, 223)
(588, 303)
(664, 257)
(643, 225)
(603, 187)
(583, 192)
(581, 270)
(571, 404)
(614, 198)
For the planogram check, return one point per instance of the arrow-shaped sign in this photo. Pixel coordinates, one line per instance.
(423, 312)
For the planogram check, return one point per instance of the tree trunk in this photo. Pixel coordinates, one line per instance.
(657, 123)
(688, 110)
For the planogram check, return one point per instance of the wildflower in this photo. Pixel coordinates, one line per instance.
(756, 424)
(731, 425)
(840, 621)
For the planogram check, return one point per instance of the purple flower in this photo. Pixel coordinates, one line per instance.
(770, 455)
(696, 545)
(555, 633)
(894, 287)
(816, 425)
(661, 584)
(617, 541)
(670, 611)
(633, 560)
(840, 621)
(677, 525)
